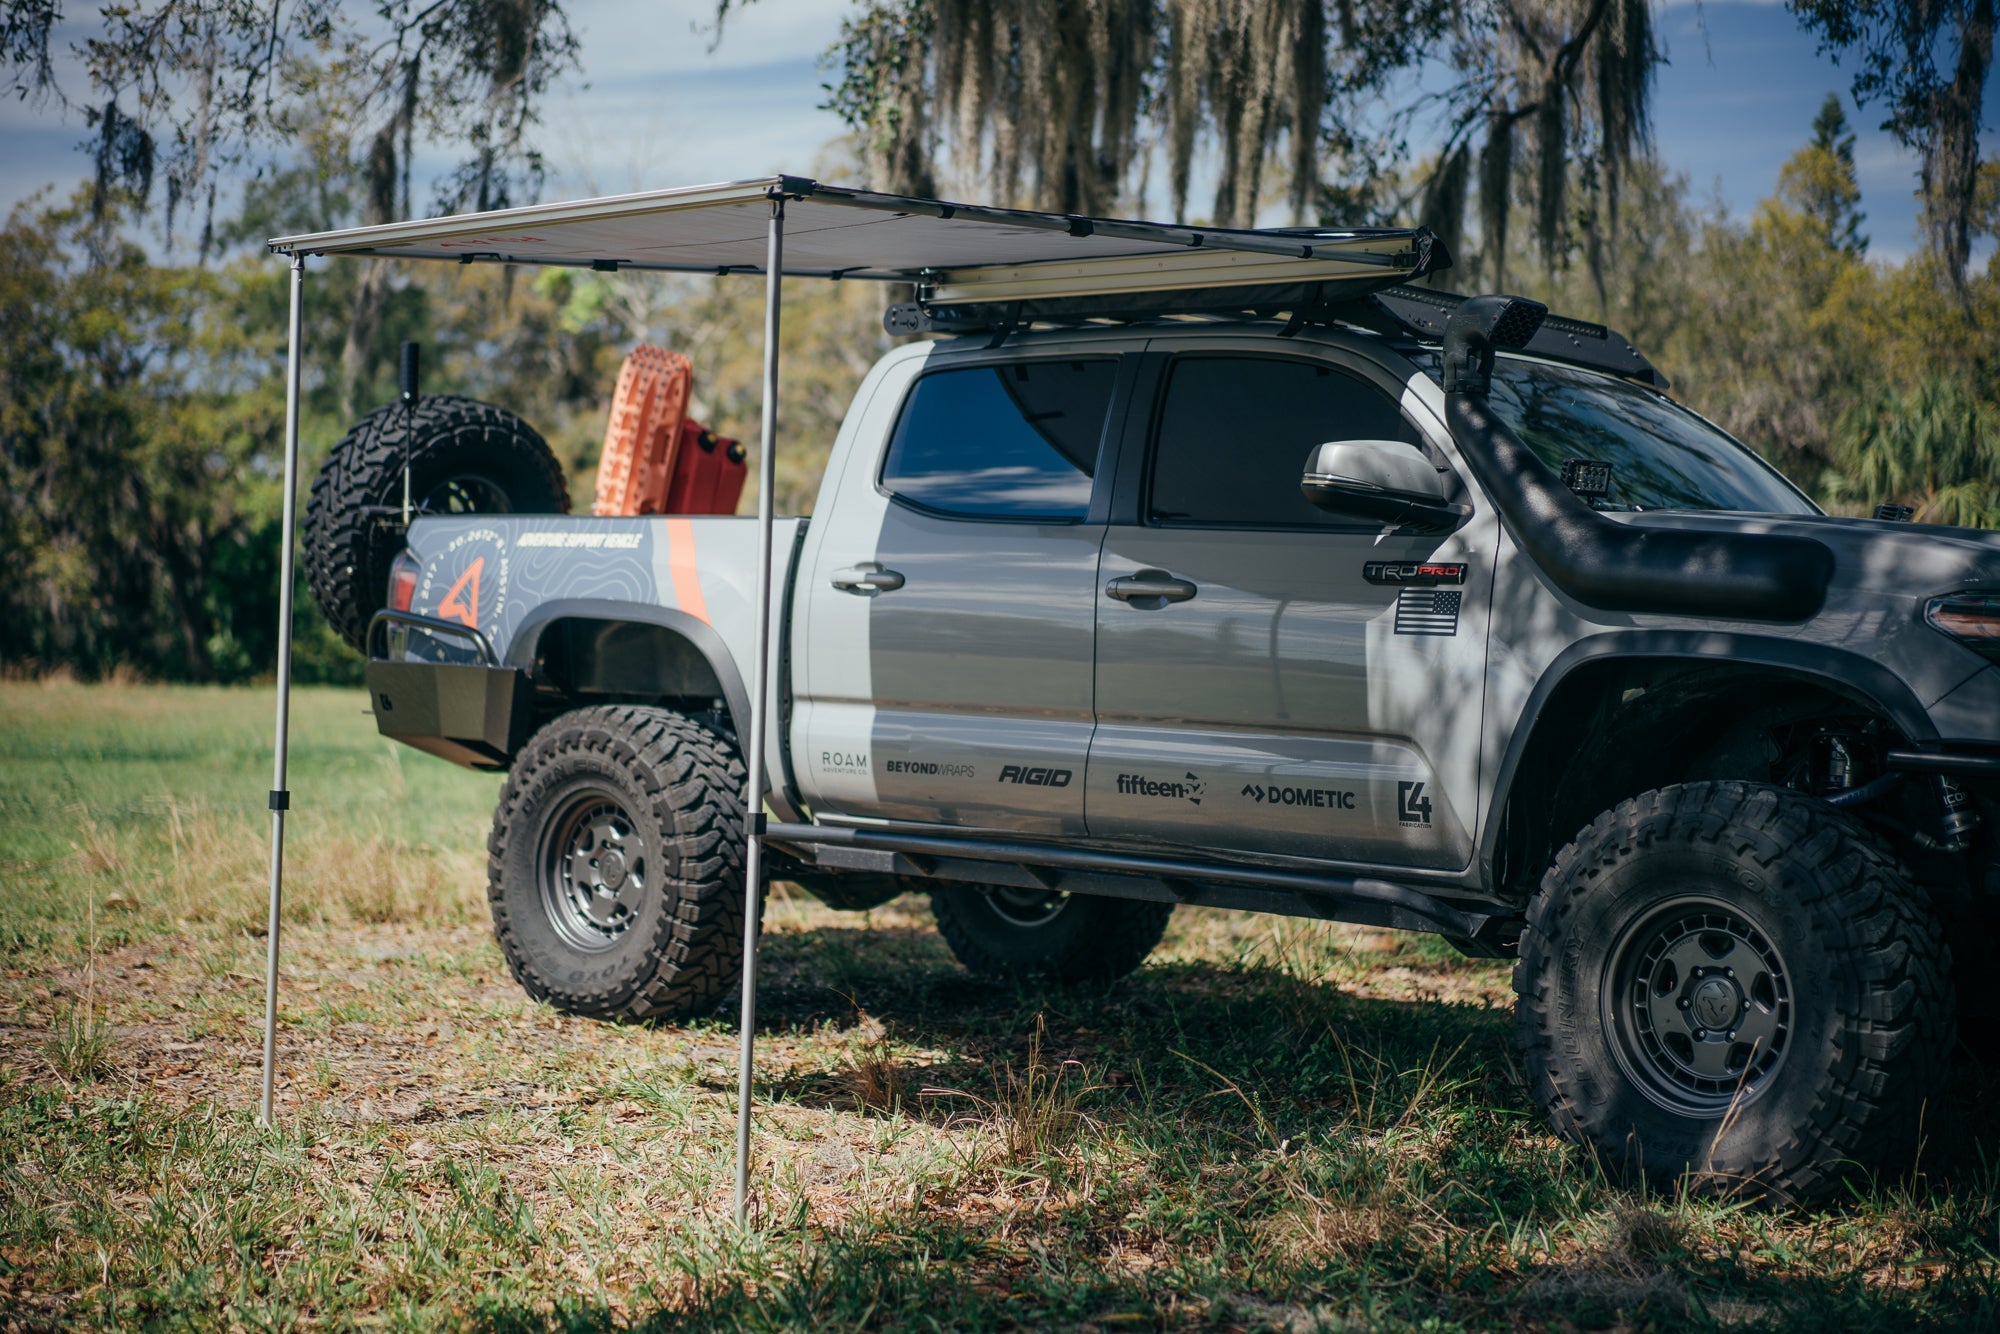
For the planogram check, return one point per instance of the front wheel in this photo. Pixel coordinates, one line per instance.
(1736, 985)
(1006, 932)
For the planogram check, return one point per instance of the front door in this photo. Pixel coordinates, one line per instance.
(951, 601)
(1271, 678)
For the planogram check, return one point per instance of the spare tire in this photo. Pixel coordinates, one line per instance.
(465, 457)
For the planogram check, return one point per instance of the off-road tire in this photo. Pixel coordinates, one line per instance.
(1088, 939)
(1861, 955)
(680, 787)
(465, 457)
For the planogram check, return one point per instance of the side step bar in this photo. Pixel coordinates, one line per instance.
(1363, 900)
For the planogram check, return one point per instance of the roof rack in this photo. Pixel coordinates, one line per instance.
(1358, 282)
(1420, 314)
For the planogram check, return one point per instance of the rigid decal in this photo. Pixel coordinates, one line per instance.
(1321, 798)
(1428, 611)
(1425, 573)
(1189, 788)
(1034, 777)
(1412, 806)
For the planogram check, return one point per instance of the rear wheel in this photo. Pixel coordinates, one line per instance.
(1007, 932)
(1734, 984)
(465, 457)
(615, 869)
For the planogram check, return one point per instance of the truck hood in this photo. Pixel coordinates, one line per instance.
(1870, 555)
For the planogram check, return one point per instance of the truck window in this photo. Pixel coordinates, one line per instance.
(1234, 434)
(1017, 441)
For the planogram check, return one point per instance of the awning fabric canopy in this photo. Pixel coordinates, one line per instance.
(835, 232)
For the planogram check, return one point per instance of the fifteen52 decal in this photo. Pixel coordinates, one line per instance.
(467, 583)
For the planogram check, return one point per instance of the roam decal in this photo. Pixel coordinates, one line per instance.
(844, 761)
(1320, 798)
(1035, 777)
(1189, 788)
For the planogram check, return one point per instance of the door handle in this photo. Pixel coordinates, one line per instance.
(867, 578)
(1149, 589)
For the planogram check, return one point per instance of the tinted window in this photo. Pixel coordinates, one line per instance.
(1008, 442)
(1662, 456)
(1235, 434)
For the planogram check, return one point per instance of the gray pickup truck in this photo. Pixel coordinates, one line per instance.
(1431, 613)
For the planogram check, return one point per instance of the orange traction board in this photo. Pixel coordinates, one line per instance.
(643, 436)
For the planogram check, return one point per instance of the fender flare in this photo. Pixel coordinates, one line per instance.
(527, 638)
(1847, 672)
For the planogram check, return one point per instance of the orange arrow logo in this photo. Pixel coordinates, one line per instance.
(465, 611)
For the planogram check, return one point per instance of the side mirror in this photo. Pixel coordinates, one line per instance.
(1380, 480)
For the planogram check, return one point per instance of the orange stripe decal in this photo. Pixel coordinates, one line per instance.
(680, 563)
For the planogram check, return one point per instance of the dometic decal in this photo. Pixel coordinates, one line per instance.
(1428, 611)
(468, 581)
(929, 768)
(1412, 806)
(1322, 798)
(1035, 777)
(1189, 787)
(1414, 572)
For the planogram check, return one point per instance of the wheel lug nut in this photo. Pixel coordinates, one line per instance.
(1700, 1034)
(1684, 1002)
(1732, 1035)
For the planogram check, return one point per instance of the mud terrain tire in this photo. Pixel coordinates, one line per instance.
(1008, 933)
(1688, 921)
(615, 866)
(465, 457)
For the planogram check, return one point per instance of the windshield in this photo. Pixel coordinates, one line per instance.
(1662, 456)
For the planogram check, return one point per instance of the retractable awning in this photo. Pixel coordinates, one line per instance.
(968, 252)
(956, 256)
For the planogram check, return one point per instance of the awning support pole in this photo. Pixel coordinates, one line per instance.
(753, 800)
(281, 799)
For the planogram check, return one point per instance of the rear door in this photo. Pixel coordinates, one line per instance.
(1270, 678)
(950, 597)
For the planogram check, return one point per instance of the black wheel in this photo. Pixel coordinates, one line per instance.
(466, 457)
(614, 870)
(1000, 931)
(1736, 985)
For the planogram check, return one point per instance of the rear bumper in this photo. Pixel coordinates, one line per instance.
(471, 713)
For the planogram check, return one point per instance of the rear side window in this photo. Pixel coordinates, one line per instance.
(1235, 433)
(1002, 442)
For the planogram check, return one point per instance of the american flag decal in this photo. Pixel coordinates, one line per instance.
(1428, 611)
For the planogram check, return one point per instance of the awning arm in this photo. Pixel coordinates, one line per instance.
(281, 799)
(753, 799)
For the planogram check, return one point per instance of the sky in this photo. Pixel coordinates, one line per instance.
(661, 102)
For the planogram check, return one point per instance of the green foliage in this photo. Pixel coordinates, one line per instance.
(137, 413)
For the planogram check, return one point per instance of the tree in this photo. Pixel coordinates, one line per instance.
(186, 91)
(1067, 104)
(1900, 48)
(1819, 181)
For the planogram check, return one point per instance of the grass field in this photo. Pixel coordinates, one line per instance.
(1273, 1125)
